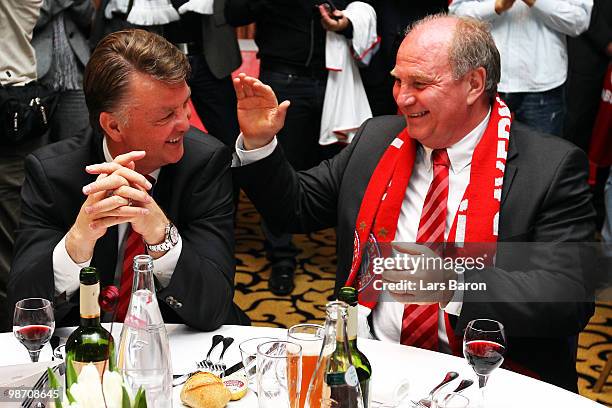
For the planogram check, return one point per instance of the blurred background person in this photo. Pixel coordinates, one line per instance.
(291, 41)
(17, 68)
(531, 38)
(393, 16)
(62, 51)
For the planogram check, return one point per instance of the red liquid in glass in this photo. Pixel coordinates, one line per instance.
(485, 356)
(34, 337)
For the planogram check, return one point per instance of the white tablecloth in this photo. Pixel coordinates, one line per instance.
(390, 363)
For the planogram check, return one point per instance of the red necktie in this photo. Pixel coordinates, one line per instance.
(420, 322)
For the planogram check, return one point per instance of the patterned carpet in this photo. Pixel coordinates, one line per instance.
(314, 285)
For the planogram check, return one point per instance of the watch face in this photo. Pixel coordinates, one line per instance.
(174, 235)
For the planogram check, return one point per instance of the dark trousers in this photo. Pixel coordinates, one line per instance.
(214, 100)
(11, 180)
(71, 117)
(299, 139)
(543, 111)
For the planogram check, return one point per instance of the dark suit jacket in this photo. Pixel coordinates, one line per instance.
(545, 197)
(195, 194)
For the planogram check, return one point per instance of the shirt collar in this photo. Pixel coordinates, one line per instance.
(109, 158)
(460, 154)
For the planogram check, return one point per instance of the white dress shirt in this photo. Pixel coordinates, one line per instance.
(66, 271)
(531, 40)
(387, 316)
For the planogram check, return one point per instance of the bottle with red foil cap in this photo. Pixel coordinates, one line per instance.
(90, 342)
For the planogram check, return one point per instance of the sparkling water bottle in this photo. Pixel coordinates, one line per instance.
(144, 354)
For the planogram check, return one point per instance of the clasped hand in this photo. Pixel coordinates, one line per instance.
(118, 195)
(422, 275)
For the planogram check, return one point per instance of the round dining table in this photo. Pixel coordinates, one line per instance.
(392, 365)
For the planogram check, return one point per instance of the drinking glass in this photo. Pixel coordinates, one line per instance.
(248, 352)
(484, 346)
(450, 400)
(33, 324)
(310, 337)
(279, 368)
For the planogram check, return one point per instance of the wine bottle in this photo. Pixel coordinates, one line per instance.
(348, 295)
(90, 342)
(335, 382)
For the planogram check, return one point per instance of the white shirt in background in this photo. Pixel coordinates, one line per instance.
(531, 40)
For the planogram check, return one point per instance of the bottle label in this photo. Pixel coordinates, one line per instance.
(350, 377)
(89, 301)
(351, 323)
(101, 366)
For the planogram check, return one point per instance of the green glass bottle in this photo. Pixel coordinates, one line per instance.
(90, 342)
(335, 382)
(348, 295)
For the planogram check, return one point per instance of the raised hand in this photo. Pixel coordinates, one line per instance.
(259, 114)
(503, 5)
(332, 20)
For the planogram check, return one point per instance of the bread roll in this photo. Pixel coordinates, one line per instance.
(205, 390)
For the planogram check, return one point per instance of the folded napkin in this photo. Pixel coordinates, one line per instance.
(390, 392)
(24, 375)
(197, 6)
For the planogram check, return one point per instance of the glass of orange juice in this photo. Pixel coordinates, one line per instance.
(310, 337)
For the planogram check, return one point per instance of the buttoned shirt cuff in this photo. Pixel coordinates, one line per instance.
(456, 303)
(163, 267)
(245, 157)
(65, 270)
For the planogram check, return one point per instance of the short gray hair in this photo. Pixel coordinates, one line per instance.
(472, 47)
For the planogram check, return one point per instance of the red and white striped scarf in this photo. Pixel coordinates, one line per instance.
(476, 219)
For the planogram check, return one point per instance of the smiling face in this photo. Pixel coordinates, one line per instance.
(156, 118)
(437, 107)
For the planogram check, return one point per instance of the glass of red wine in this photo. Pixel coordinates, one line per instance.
(33, 324)
(484, 346)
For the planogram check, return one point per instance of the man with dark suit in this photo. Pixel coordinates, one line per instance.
(87, 201)
(488, 183)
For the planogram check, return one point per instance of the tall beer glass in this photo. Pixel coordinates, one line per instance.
(310, 337)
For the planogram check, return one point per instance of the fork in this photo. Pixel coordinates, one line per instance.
(40, 383)
(426, 402)
(462, 386)
(220, 366)
(207, 362)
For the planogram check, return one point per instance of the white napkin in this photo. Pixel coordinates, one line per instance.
(390, 392)
(152, 12)
(197, 6)
(24, 375)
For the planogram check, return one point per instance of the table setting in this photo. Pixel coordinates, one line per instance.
(143, 362)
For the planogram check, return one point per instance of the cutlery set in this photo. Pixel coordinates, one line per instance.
(219, 367)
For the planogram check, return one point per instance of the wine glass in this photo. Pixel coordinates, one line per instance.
(484, 346)
(33, 324)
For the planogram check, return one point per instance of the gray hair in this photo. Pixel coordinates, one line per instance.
(472, 47)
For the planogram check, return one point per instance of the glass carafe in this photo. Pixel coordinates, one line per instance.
(143, 357)
(335, 383)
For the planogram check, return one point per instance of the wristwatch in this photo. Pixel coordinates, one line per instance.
(172, 238)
